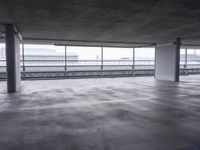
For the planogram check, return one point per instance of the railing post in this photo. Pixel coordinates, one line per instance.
(185, 66)
(102, 61)
(133, 66)
(66, 61)
(186, 59)
(23, 62)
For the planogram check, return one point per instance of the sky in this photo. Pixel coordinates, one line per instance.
(109, 53)
(95, 52)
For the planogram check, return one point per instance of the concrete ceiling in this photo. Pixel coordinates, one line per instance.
(117, 21)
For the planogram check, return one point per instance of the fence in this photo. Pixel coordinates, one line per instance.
(68, 66)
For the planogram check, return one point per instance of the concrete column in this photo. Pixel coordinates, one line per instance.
(167, 61)
(12, 59)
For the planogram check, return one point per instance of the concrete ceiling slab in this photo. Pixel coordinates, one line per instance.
(115, 21)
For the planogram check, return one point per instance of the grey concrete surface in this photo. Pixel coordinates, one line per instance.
(104, 20)
(167, 62)
(101, 114)
(12, 59)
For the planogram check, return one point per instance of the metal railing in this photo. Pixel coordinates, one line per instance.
(80, 68)
(89, 68)
(61, 67)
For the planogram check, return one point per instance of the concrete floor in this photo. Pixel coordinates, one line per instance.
(101, 114)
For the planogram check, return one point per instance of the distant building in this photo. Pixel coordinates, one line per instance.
(125, 58)
(43, 54)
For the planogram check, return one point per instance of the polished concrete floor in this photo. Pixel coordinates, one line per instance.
(101, 114)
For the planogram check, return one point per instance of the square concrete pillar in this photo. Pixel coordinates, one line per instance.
(167, 61)
(12, 59)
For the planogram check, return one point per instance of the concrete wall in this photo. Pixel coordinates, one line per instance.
(167, 62)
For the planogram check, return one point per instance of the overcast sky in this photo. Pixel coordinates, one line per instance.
(109, 53)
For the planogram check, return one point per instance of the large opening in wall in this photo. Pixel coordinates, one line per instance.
(144, 61)
(189, 61)
(50, 61)
(183, 60)
(42, 61)
(117, 61)
(193, 60)
(2, 61)
(83, 61)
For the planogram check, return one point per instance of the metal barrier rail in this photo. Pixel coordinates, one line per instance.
(93, 73)
(89, 70)
(82, 73)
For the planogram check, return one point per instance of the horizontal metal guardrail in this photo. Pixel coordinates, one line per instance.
(93, 73)
(81, 73)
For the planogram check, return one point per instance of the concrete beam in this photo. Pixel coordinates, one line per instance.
(12, 58)
(167, 61)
